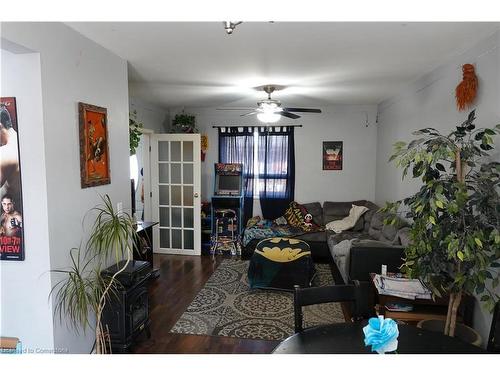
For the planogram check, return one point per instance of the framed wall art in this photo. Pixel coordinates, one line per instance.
(94, 154)
(11, 219)
(333, 155)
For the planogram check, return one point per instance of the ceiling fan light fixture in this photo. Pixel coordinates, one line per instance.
(268, 117)
(230, 26)
(271, 107)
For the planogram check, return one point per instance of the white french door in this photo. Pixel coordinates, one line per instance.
(175, 183)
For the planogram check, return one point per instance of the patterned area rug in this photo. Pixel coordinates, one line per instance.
(226, 306)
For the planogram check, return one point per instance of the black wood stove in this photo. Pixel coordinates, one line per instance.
(126, 314)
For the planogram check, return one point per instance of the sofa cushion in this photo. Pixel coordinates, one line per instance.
(373, 208)
(312, 237)
(335, 210)
(316, 211)
(349, 221)
(338, 210)
(402, 237)
(377, 221)
(340, 254)
(389, 232)
(334, 238)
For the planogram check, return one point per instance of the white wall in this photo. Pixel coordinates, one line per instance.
(153, 117)
(25, 285)
(430, 102)
(336, 123)
(74, 69)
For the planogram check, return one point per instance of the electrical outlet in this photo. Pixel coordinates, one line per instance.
(119, 207)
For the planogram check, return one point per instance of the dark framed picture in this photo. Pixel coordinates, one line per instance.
(333, 155)
(94, 155)
(11, 221)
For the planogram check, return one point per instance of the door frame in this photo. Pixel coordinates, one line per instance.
(196, 138)
(146, 173)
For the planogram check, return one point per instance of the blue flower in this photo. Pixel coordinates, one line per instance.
(381, 334)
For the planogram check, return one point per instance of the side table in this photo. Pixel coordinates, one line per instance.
(422, 308)
(143, 248)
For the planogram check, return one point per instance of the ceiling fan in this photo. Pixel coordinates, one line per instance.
(270, 110)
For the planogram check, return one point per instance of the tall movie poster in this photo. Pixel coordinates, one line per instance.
(11, 221)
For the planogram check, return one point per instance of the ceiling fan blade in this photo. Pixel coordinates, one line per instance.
(289, 115)
(249, 113)
(310, 110)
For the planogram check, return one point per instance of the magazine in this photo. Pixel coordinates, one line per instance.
(401, 287)
(405, 307)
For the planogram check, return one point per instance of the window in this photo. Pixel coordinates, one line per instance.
(265, 156)
(270, 165)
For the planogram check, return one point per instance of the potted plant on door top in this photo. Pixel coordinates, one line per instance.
(455, 239)
(184, 123)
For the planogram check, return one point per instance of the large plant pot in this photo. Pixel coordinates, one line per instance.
(462, 332)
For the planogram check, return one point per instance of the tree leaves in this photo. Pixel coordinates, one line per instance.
(455, 240)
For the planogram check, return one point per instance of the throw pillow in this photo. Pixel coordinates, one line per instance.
(253, 221)
(280, 221)
(297, 216)
(348, 222)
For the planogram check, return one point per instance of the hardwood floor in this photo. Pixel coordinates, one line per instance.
(181, 278)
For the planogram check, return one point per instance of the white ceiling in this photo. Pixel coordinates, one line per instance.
(195, 64)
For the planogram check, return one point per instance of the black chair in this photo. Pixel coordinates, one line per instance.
(494, 339)
(325, 294)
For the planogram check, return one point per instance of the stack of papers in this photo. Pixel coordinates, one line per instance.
(401, 287)
(399, 307)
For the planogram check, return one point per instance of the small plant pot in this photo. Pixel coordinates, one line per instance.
(462, 332)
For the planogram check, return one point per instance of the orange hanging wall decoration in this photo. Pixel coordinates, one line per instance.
(466, 90)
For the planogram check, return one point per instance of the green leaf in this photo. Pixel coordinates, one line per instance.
(460, 255)
(495, 282)
(439, 204)
(440, 167)
(479, 243)
(432, 220)
(393, 157)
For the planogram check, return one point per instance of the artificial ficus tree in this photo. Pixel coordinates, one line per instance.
(455, 239)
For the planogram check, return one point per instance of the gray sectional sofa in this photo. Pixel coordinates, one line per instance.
(358, 251)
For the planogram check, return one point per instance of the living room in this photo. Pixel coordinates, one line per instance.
(371, 95)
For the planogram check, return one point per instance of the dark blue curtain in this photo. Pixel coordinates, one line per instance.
(276, 170)
(236, 145)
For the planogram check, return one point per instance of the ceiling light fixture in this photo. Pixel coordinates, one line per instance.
(230, 26)
(268, 117)
(269, 112)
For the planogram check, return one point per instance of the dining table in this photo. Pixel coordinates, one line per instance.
(348, 338)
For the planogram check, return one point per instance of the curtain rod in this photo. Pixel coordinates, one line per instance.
(256, 126)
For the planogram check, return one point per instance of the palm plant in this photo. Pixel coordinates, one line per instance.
(83, 293)
(456, 213)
